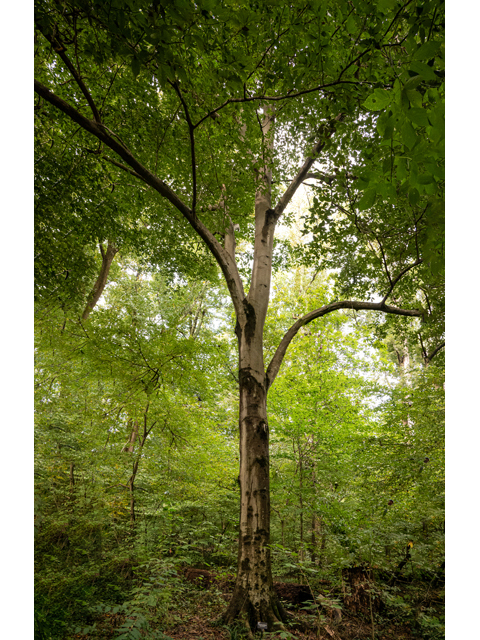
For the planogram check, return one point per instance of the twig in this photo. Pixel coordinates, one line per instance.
(191, 131)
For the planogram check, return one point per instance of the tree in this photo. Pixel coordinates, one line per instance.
(210, 105)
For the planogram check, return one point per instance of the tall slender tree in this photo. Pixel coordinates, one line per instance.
(211, 106)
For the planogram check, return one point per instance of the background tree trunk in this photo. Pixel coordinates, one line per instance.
(133, 436)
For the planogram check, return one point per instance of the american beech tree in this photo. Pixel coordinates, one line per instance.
(219, 110)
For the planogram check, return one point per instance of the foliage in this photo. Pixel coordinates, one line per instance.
(350, 433)
(136, 410)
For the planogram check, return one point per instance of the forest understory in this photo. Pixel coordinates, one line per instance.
(329, 613)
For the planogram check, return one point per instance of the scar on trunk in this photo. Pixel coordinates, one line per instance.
(270, 217)
(251, 321)
(247, 381)
(262, 429)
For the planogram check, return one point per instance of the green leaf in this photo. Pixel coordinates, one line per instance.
(382, 122)
(415, 98)
(389, 128)
(351, 25)
(409, 136)
(437, 134)
(424, 70)
(413, 197)
(427, 51)
(425, 178)
(135, 67)
(386, 189)
(401, 168)
(379, 99)
(386, 4)
(418, 116)
(412, 83)
(437, 171)
(367, 200)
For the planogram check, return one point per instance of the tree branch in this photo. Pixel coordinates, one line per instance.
(276, 361)
(259, 292)
(123, 167)
(396, 16)
(328, 131)
(384, 260)
(225, 261)
(276, 98)
(428, 359)
(99, 286)
(328, 179)
(319, 176)
(59, 48)
(400, 275)
(424, 351)
(191, 131)
(353, 62)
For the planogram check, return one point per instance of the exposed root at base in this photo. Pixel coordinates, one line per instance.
(241, 609)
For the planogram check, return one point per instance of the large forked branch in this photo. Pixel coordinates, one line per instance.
(225, 261)
(276, 361)
(307, 165)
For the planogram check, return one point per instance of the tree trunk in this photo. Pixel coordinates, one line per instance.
(320, 530)
(133, 436)
(301, 554)
(131, 488)
(254, 594)
(314, 539)
(72, 476)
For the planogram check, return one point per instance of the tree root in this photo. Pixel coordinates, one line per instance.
(240, 608)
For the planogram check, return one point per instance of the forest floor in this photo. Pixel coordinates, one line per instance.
(200, 627)
(210, 594)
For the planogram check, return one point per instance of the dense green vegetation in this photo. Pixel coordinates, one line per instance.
(356, 451)
(235, 199)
